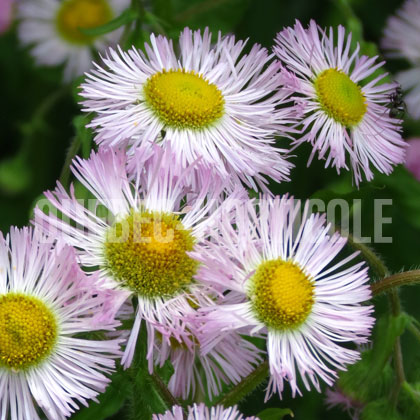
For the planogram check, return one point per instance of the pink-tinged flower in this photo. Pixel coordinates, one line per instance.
(345, 117)
(287, 283)
(413, 157)
(209, 101)
(336, 398)
(201, 412)
(141, 247)
(52, 29)
(46, 302)
(401, 37)
(227, 362)
(6, 15)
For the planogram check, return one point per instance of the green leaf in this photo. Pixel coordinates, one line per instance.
(381, 409)
(15, 175)
(410, 401)
(126, 17)
(371, 378)
(275, 413)
(389, 328)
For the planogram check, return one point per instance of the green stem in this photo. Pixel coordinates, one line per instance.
(398, 358)
(370, 256)
(395, 281)
(71, 153)
(388, 283)
(149, 395)
(246, 386)
(164, 392)
(414, 330)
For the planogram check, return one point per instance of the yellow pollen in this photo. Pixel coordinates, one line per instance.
(340, 97)
(28, 331)
(184, 99)
(281, 294)
(74, 15)
(146, 252)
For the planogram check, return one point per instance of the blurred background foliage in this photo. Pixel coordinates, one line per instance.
(39, 118)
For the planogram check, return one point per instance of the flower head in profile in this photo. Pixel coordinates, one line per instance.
(345, 116)
(287, 283)
(335, 397)
(227, 362)
(141, 247)
(201, 412)
(52, 29)
(46, 302)
(401, 38)
(210, 101)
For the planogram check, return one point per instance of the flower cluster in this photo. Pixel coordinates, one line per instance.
(170, 237)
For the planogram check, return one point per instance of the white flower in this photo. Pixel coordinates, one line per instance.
(46, 302)
(51, 27)
(208, 101)
(287, 284)
(344, 116)
(201, 412)
(141, 248)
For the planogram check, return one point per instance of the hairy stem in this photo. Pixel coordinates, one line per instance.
(395, 281)
(246, 386)
(370, 256)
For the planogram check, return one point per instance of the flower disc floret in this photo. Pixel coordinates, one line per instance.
(28, 331)
(74, 15)
(184, 99)
(147, 252)
(281, 294)
(340, 97)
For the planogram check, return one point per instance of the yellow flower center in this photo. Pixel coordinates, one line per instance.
(146, 252)
(340, 97)
(74, 15)
(281, 294)
(28, 331)
(184, 99)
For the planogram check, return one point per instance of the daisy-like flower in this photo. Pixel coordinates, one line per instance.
(52, 28)
(142, 247)
(291, 288)
(210, 101)
(400, 40)
(228, 362)
(201, 412)
(45, 302)
(344, 116)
